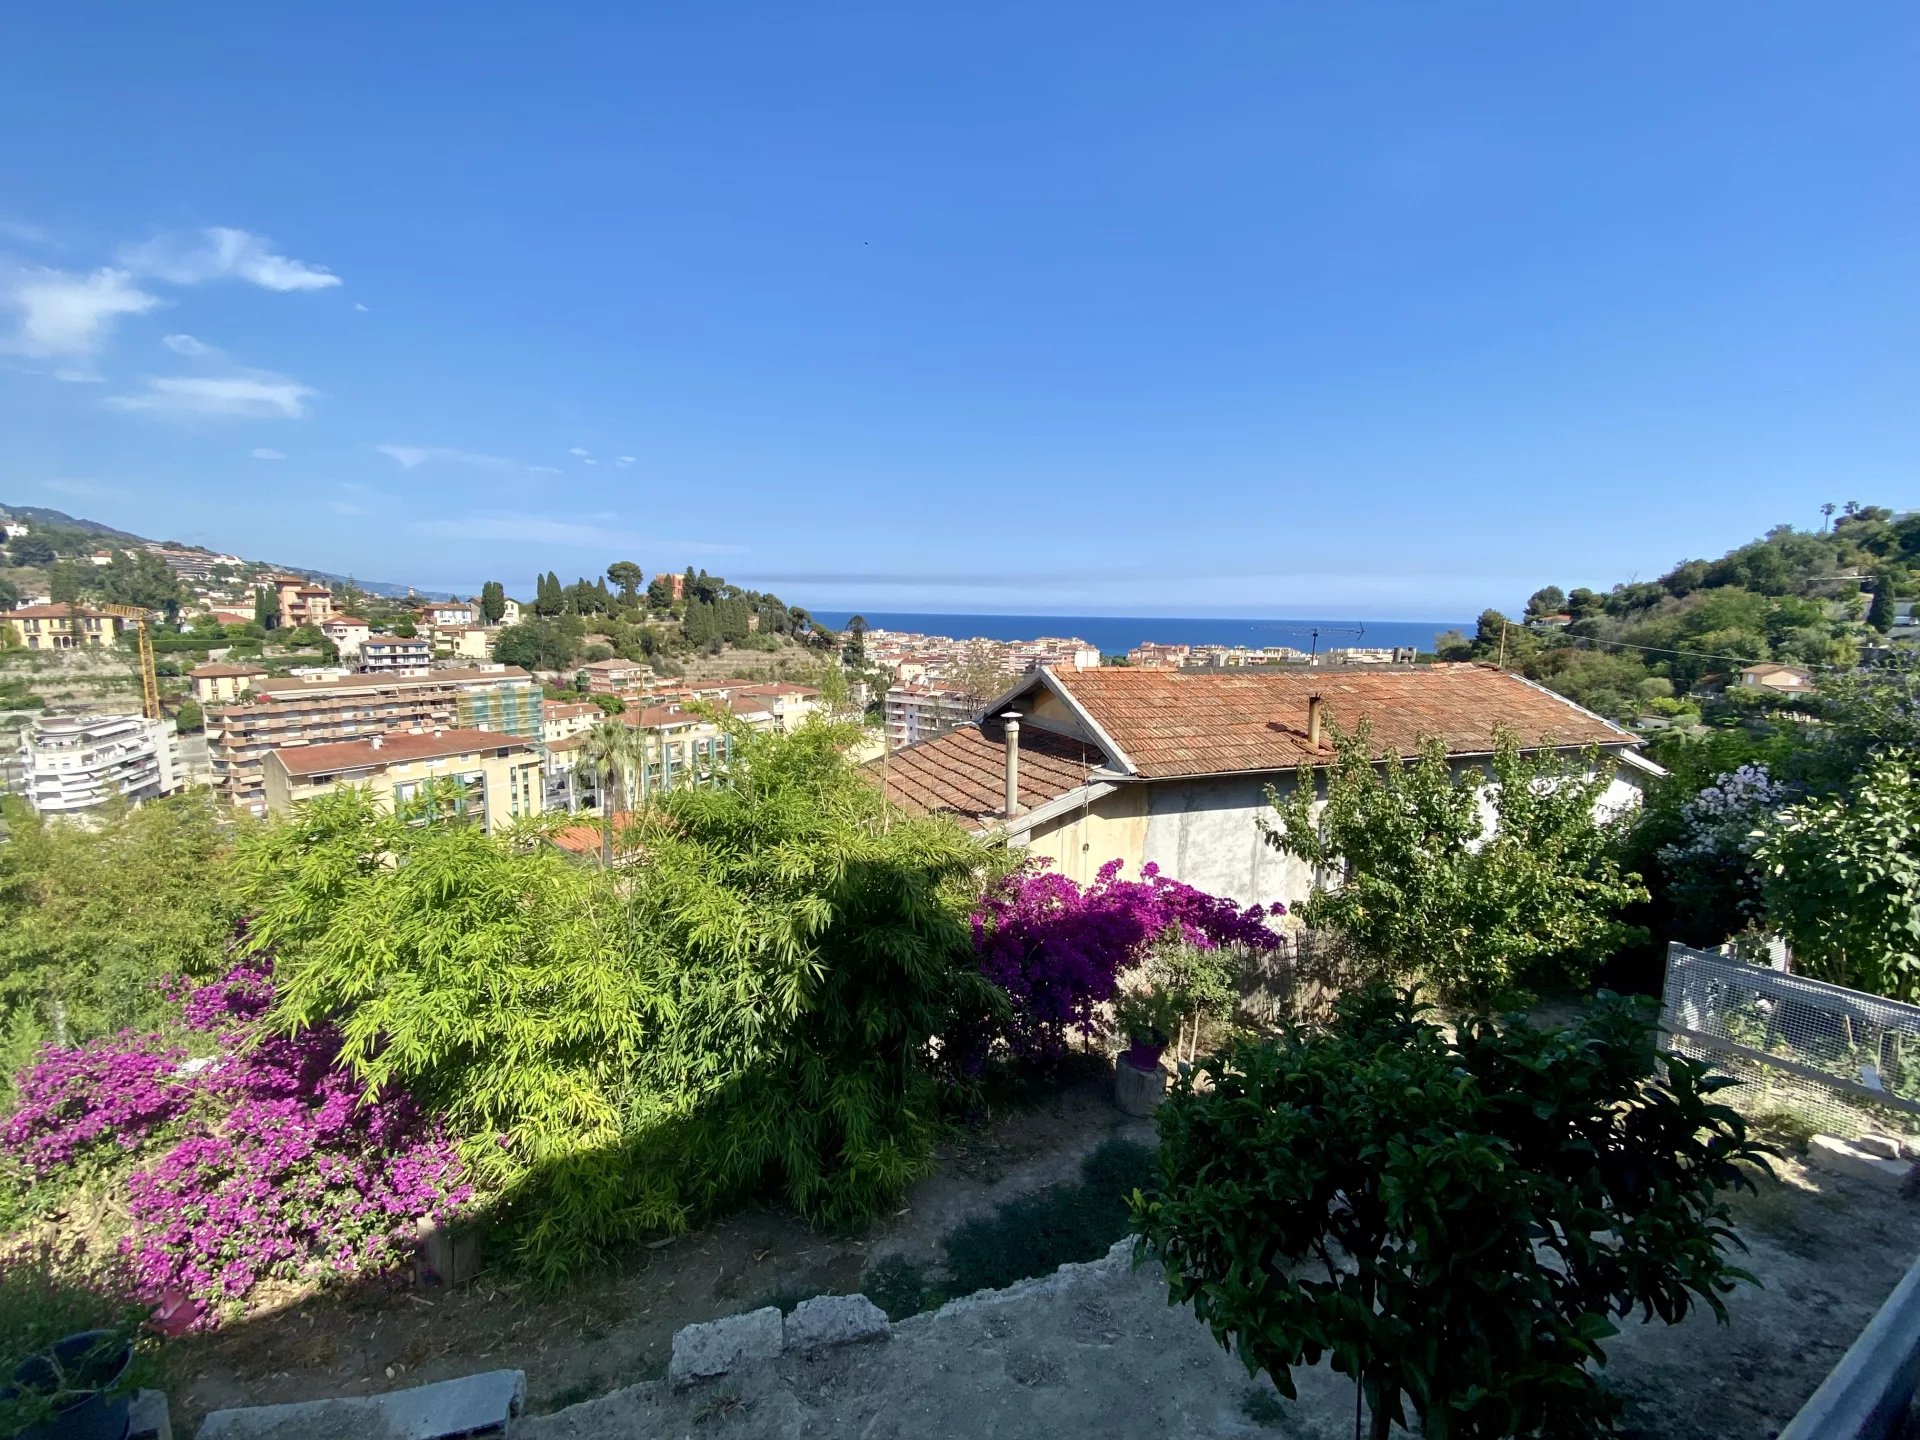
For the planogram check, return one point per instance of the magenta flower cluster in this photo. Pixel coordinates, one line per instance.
(117, 1091)
(1058, 949)
(295, 1176)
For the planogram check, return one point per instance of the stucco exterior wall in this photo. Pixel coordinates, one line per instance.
(1206, 832)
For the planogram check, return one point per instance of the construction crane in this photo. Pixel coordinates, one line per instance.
(149, 679)
(1316, 631)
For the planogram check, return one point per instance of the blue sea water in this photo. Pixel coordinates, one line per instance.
(1117, 634)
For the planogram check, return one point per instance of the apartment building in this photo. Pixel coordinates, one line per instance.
(349, 634)
(452, 612)
(611, 677)
(682, 748)
(563, 720)
(396, 655)
(495, 778)
(64, 627)
(300, 601)
(919, 712)
(72, 763)
(464, 642)
(787, 704)
(289, 713)
(219, 684)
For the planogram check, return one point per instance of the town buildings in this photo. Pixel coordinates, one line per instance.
(1173, 767)
(396, 654)
(72, 763)
(299, 601)
(65, 626)
(920, 712)
(493, 778)
(613, 677)
(286, 713)
(1781, 679)
(216, 683)
(349, 634)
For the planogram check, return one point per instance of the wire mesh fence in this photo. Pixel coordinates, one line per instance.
(1844, 1062)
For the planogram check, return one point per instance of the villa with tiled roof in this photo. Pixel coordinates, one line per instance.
(1173, 767)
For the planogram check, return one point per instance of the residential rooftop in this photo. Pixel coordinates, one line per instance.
(282, 689)
(401, 745)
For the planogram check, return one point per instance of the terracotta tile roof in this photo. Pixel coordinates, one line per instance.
(53, 612)
(964, 772)
(1174, 723)
(216, 671)
(400, 746)
(588, 837)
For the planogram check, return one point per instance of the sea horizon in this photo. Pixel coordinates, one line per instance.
(1117, 634)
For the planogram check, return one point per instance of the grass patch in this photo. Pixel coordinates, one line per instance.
(1787, 1131)
(1033, 1235)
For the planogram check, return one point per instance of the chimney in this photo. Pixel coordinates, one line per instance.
(376, 742)
(1012, 721)
(1313, 721)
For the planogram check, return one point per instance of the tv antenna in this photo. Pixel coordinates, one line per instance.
(1314, 632)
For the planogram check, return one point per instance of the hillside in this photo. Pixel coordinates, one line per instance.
(58, 526)
(1814, 599)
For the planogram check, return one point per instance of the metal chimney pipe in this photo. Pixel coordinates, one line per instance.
(1313, 721)
(1012, 720)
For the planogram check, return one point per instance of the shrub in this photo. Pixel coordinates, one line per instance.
(1495, 1198)
(1058, 949)
(294, 1175)
(1423, 876)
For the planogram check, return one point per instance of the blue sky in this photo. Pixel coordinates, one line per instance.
(1387, 310)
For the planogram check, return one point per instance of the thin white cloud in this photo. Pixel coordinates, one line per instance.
(580, 451)
(413, 455)
(187, 345)
(67, 314)
(589, 461)
(358, 306)
(84, 489)
(624, 461)
(560, 530)
(346, 507)
(224, 253)
(263, 453)
(258, 396)
(70, 376)
(544, 470)
(21, 234)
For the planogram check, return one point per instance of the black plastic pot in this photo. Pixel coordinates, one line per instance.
(85, 1372)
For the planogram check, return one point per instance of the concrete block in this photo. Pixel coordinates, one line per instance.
(148, 1417)
(1843, 1157)
(473, 1405)
(834, 1320)
(1137, 1091)
(700, 1351)
(1888, 1147)
(449, 1254)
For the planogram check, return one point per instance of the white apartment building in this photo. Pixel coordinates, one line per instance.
(396, 655)
(920, 712)
(72, 763)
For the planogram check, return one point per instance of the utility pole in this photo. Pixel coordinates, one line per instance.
(1503, 644)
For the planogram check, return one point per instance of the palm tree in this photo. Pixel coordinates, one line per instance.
(611, 752)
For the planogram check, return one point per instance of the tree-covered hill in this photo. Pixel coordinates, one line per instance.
(1809, 598)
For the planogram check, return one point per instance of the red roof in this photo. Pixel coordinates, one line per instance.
(400, 746)
(964, 772)
(216, 671)
(1169, 722)
(589, 837)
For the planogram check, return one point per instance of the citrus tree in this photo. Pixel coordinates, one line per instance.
(1483, 874)
(1456, 1217)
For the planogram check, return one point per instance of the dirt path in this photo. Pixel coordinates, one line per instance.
(616, 1328)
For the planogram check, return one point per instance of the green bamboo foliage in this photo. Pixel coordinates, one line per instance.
(752, 1006)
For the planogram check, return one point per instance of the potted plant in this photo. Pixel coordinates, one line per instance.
(1146, 1018)
(75, 1389)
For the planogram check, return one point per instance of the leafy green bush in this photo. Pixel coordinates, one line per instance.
(753, 1007)
(1456, 1220)
(46, 1296)
(1485, 908)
